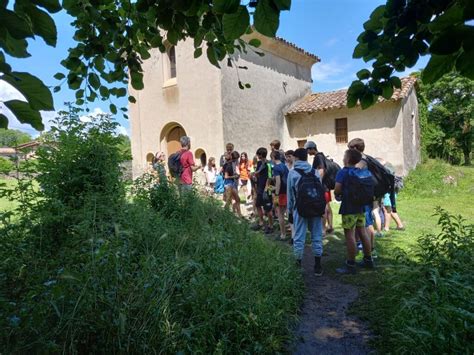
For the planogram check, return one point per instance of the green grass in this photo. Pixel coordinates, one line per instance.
(5, 204)
(424, 191)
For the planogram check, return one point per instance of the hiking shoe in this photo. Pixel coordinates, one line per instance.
(318, 270)
(347, 269)
(378, 235)
(367, 263)
(401, 229)
(359, 246)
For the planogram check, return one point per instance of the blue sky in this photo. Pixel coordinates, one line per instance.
(326, 28)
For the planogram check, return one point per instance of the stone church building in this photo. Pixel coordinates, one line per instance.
(188, 96)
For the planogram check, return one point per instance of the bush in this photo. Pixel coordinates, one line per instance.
(6, 166)
(428, 300)
(163, 272)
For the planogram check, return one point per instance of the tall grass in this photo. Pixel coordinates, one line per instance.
(162, 273)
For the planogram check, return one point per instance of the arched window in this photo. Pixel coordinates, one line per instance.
(172, 62)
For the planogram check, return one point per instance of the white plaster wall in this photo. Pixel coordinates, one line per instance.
(411, 131)
(379, 126)
(194, 103)
(254, 117)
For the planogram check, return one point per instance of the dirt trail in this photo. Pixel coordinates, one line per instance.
(325, 327)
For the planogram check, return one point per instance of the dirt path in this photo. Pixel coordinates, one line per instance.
(325, 327)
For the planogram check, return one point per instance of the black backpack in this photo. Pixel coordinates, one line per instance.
(310, 201)
(331, 168)
(361, 184)
(174, 164)
(385, 180)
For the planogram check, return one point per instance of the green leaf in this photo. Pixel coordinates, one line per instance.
(25, 114)
(266, 18)
(121, 92)
(234, 25)
(132, 99)
(3, 121)
(447, 42)
(211, 56)
(360, 51)
(241, 86)
(50, 5)
(387, 90)
(173, 36)
(225, 6)
(357, 87)
(197, 52)
(14, 47)
(137, 80)
(363, 74)
(94, 80)
(113, 109)
(59, 76)
(452, 15)
(352, 100)
(282, 4)
(43, 25)
(367, 100)
(36, 93)
(104, 92)
(395, 82)
(465, 66)
(437, 67)
(254, 42)
(18, 27)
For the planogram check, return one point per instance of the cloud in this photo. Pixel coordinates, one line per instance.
(8, 92)
(331, 42)
(122, 130)
(331, 72)
(94, 113)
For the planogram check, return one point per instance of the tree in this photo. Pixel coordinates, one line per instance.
(114, 37)
(125, 146)
(401, 31)
(450, 116)
(13, 137)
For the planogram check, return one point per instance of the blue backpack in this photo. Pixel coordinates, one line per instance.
(310, 200)
(219, 185)
(361, 187)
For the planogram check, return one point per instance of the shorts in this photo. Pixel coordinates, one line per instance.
(351, 221)
(327, 196)
(267, 204)
(282, 200)
(369, 219)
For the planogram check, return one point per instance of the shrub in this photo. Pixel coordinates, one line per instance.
(428, 300)
(162, 273)
(6, 166)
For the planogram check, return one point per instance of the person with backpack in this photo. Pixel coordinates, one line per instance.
(230, 184)
(182, 166)
(384, 181)
(306, 206)
(280, 176)
(327, 169)
(355, 189)
(264, 204)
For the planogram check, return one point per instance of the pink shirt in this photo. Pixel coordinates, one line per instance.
(187, 161)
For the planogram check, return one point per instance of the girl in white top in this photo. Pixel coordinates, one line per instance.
(211, 172)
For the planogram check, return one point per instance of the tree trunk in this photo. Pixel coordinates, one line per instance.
(467, 157)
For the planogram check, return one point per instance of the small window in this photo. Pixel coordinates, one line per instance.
(172, 61)
(341, 130)
(301, 143)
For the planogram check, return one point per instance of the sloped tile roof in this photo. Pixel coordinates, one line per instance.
(299, 49)
(325, 101)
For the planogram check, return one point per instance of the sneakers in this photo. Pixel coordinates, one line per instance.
(374, 253)
(378, 235)
(367, 263)
(318, 270)
(347, 269)
(359, 246)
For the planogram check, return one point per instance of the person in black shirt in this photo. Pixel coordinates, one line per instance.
(264, 204)
(319, 164)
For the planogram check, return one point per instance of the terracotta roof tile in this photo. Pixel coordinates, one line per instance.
(338, 99)
(299, 49)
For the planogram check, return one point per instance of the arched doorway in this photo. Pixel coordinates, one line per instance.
(201, 156)
(172, 139)
(149, 159)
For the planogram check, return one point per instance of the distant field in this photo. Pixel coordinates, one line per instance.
(6, 205)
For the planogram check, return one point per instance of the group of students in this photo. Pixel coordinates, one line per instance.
(286, 186)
